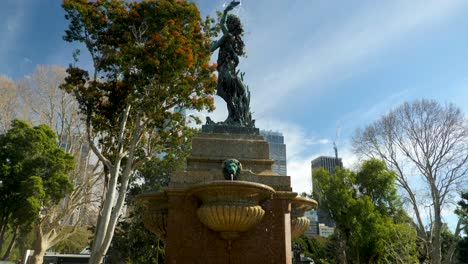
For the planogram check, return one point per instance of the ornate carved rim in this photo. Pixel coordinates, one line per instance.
(220, 191)
(156, 211)
(146, 198)
(300, 223)
(298, 226)
(231, 207)
(300, 205)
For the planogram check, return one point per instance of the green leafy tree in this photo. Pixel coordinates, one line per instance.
(367, 213)
(33, 176)
(320, 249)
(149, 58)
(43, 102)
(427, 143)
(76, 242)
(8, 102)
(462, 212)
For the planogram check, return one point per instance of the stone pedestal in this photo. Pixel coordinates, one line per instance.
(188, 240)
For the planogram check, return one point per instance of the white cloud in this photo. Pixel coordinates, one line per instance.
(218, 115)
(27, 60)
(301, 174)
(362, 116)
(323, 141)
(301, 147)
(13, 22)
(348, 44)
(10, 25)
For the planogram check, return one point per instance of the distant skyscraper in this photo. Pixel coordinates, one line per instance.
(277, 151)
(329, 164)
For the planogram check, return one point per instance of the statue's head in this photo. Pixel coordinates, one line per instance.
(234, 25)
(231, 167)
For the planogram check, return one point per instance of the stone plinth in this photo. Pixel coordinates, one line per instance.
(190, 241)
(211, 220)
(229, 129)
(210, 150)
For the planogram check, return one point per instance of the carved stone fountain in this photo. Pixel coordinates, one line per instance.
(300, 223)
(228, 206)
(231, 207)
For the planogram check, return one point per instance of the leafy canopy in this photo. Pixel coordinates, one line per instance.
(151, 54)
(367, 213)
(462, 212)
(150, 58)
(33, 172)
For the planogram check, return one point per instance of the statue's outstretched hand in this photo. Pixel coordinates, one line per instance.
(231, 6)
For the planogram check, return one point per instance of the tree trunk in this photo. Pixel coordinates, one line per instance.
(4, 227)
(97, 256)
(10, 247)
(111, 212)
(453, 246)
(40, 246)
(436, 250)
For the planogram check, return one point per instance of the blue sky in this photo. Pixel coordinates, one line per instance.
(314, 67)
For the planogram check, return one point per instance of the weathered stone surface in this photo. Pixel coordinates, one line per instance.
(226, 146)
(300, 223)
(155, 217)
(231, 207)
(229, 129)
(190, 241)
(185, 179)
(298, 226)
(210, 150)
(199, 227)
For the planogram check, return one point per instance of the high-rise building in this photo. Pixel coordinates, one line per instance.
(277, 150)
(329, 164)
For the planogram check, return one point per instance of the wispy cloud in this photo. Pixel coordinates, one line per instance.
(301, 147)
(337, 54)
(27, 60)
(11, 24)
(364, 115)
(288, 54)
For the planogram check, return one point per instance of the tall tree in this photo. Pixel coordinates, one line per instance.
(43, 102)
(320, 249)
(423, 139)
(367, 213)
(33, 176)
(133, 243)
(462, 212)
(149, 58)
(8, 102)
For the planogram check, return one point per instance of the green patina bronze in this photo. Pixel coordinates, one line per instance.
(231, 169)
(231, 85)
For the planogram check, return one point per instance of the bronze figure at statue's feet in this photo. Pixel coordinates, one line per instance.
(231, 85)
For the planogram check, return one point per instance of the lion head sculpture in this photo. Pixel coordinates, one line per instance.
(231, 169)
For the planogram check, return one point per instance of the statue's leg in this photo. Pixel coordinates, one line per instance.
(242, 101)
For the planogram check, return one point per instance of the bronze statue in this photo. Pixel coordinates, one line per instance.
(231, 85)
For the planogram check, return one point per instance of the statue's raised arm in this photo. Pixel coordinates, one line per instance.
(215, 44)
(223, 18)
(230, 81)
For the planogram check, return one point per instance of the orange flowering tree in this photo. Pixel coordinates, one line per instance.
(149, 58)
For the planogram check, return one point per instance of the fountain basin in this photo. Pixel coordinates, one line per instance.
(231, 207)
(156, 212)
(300, 223)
